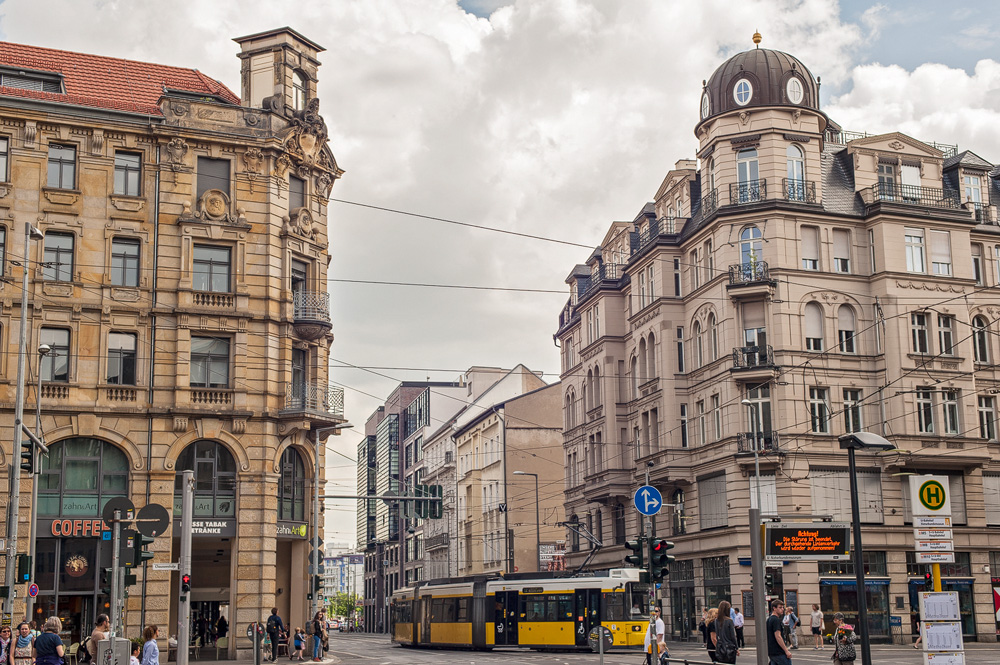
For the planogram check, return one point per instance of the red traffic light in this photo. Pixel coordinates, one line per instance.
(659, 545)
(185, 583)
(928, 577)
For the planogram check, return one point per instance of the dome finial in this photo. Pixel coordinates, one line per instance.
(756, 38)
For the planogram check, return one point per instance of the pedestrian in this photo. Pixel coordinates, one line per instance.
(49, 649)
(275, 628)
(317, 633)
(778, 652)
(150, 650)
(23, 645)
(920, 636)
(724, 635)
(102, 628)
(654, 635)
(791, 621)
(738, 623)
(222, 626)
(5, 642)
(843, 641)
(136, 650)
(299, 642)
(816, 625)
(34, 629)
(709, 623)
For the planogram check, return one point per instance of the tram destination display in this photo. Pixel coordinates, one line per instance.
(810, 541)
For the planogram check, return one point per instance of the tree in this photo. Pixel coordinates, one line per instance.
(344, 604)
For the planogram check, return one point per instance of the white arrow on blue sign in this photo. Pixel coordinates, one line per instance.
(647, 500)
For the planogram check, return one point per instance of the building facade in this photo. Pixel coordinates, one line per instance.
(180, 289)
(795, 282)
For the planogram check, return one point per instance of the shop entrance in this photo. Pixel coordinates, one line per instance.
(211, 562)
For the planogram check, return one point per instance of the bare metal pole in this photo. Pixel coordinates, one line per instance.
(760, 610)
(43, 350)
(184, 564)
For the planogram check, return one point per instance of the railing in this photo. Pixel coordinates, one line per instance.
(709, 202)
(606, 272)
(213, 299)
(656, 228)
(749, 273)
(749, 191)
(120, 394)
(311, 306)
(843, 137)
(803, 191)
(915, 195)
(762, 442)
(55, 390)
(980, 212)
(434, 542)
(746, 357)
(212, 397)
(314, 398)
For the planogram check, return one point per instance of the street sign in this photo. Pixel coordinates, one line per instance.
(152, 520)
(166, 566)
(808, 541)
(124, 506)
(935, 546)
(647, 500)
(939, 606)
(931, 522)
(935, 557)
(942, 658)
(33, 590)
(932, 534)
(942, 635)
(930, 496)
(599, 634)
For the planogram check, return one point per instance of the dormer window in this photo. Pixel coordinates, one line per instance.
(973, 188)
(743, 92)
(794, 90)
(28, 80)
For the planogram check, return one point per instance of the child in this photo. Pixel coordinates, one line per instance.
(300, 643)
(136, 648)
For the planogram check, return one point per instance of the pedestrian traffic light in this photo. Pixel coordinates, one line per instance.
(659, 560)
(130, 579)
(139, 546)
(421, 491)
(435, 509)
(27, 456)
(928, 578)
(636, 547)
(106, 581)
(185, 583)
(23, 568)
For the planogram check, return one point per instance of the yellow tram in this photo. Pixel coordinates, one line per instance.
(525, 610)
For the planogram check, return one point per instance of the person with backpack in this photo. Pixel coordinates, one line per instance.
(843, 641)
(102, 628)
(723, 635)
(275, 628)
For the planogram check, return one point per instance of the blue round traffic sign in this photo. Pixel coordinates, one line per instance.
(32, 590)
(647, 500)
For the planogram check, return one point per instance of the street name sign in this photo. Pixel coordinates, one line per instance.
(932, 534)
(647, 500)
(166, 566)
(935, 557)
(931, 522)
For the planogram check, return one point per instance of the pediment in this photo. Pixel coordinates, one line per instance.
(895, 143)
(617, 228)
(672, 180)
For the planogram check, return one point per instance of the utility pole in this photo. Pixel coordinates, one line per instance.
(184, 564)
(43, 350)
(760, 610)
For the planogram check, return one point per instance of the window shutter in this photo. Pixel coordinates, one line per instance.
(841, 244)
(810, 243)
(991, 497)
(814, 321)
(956, 486)
(940, 247)
(753, 315)
(870, 496)
(768, 494)
(910, 175)
(712, 501)
(845, 318)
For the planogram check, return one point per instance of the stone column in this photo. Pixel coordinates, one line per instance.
(253, 564)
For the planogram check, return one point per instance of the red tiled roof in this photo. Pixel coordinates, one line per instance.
(103, 82)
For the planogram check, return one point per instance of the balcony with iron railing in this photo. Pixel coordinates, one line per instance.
(748, 191)
(607, 274)
(709, 202)
(662, 226)
(314, 400)
(753, 272)
(800, 191)
(762, 442)
(843, 137)
(436, 542)
(915, 195)
(752, 357)
(311, 314)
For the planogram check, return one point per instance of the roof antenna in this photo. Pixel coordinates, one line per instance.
(756, 38)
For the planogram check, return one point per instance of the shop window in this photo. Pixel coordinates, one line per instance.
(292, 487)
(716, 570)
(79, 475)
(214, 479)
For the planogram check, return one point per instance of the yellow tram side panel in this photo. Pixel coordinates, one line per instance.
(402, 633)
(546, 633)
(457, 633)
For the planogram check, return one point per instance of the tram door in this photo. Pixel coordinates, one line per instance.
(424, 619)
(586, 616)
(505, 618)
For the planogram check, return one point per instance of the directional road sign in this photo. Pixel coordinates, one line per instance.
(647, 500)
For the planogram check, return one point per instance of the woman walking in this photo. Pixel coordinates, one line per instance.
(150, 650)
(709, 623)
(843, 641)
(318, 631)
(724, 635)
(23, 644)
(49, 649)
(5, 643)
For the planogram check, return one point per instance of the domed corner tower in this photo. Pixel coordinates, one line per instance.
(761, 130)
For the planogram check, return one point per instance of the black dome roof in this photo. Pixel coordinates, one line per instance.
(769, 74)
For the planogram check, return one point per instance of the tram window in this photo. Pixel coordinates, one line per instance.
(614, 606)
(564, 606)
(463, 610)
(436, 610)
(534, 609)
(640, 598)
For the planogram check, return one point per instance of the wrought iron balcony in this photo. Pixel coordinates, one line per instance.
(657, 227)
(709, 202)
(607, 273)
(890, 192)
(750, 191)
(762, 442)
(314, 399)
(312, 313)
(747, 357)
(802, 191)
(980, 212)
(437, 541)
(749, 273)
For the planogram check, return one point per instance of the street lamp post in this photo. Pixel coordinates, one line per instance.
(43, 350)
(851, 442)
(30, 233)
(755, 416)
(538, 521)
(317, 555)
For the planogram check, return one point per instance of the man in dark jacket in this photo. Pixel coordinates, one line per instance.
(275, 629)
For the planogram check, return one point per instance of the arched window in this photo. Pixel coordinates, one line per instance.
(750, 245)
(699, 345)
(651, 357)
(292, 488)
(748, 176)
(569, 410)
(678, 501)
(619, 524)
(980, 340)
(845, 329)
(713, 333)
(643, 360)
(299, 90)
(214, 479)
(814, 327)
(711, 175)
(78, 477)
(585, 395)
(795, 184)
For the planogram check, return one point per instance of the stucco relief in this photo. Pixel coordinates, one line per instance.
(923, 286)
(214, 206)
(299, 222)
(176, 151)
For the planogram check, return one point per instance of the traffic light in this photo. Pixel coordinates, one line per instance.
(318, 585)
(130, 579)
(27, 456)
(23, 568)
(139, 545)
(435, 509)
(928, 578)
(185, 583)
(106, 581)
(768, 582)
(659, 559)
(421, 491)
(636, 547)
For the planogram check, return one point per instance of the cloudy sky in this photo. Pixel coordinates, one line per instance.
(544, 117)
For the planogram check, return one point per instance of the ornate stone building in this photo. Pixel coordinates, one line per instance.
(181, 287)
(796, 282)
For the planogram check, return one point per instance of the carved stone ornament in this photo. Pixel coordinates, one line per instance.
(97, 141)
(214, 206)
(896, 145)
(281, 166)
(179, 109)
(180, 424)
(300, 222)
(324, 182)
(176, 150)
(307, 135)
(745, 117)
(796, 114)
(30, 133)
(252, 119)
(253, 160)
